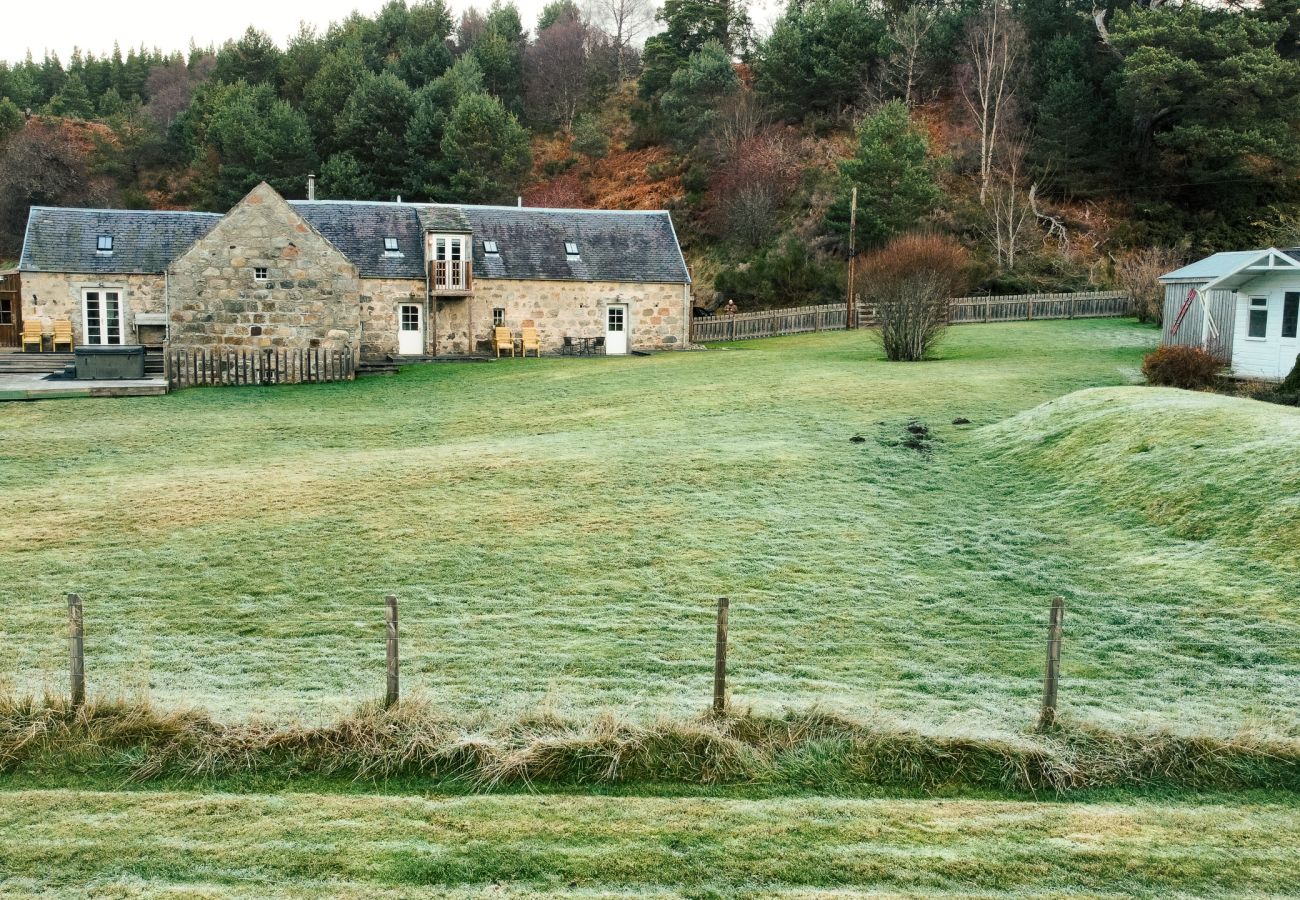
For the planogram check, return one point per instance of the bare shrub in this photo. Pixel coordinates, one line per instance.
(752, 185)
(1138, 272)
(909, 283)
(1182, 367)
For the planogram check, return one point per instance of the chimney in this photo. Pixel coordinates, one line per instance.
(311, 187)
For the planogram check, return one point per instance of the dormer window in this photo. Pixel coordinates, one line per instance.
(490, 247)
(570, 248)
(104, 244)
(390, 245)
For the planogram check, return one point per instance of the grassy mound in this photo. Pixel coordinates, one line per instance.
(47, 740)
(1200, 466)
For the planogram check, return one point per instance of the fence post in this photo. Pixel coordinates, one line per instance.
(1071, 314)
(390, 626)
(76, 651)
(1047, 717)
(720, 659)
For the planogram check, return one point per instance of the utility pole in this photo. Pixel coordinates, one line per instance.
(853, 234)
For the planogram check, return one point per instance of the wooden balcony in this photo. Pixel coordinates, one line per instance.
(451, 278)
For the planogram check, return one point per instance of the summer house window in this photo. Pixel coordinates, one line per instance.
(1258, 322)
(1290, 314)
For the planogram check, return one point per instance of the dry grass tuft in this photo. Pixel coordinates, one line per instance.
(141, 742)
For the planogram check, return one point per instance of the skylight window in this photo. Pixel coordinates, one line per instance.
(570, 248)
(490, 247)
(105, 243)
(390, 245)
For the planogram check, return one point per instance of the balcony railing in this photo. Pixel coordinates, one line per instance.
(452, 276)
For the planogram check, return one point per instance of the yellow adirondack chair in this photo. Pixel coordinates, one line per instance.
(32, 335)
(62, 334)
(531, 342)
(502, 339)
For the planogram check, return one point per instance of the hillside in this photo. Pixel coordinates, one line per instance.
(1070, 175)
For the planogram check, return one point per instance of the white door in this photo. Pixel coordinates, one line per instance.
(102, 315)
(1290, 342)
(410, 330)
(616, 329)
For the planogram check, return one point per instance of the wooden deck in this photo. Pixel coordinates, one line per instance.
(35, 386)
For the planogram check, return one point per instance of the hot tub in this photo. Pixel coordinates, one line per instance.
(103, 362)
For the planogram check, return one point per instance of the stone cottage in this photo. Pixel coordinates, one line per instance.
(388, 280)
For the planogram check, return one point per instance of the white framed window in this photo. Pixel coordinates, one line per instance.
(260, 273)
(498, 317)
(101, 311)
(1290, 314)
(570, 248)
(1257, 318)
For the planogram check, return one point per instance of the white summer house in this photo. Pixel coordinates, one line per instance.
(1243, 306)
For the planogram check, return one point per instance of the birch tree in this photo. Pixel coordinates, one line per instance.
(624, 22)
(904, 70)
(994, 46)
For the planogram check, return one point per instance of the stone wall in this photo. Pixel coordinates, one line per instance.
(52, 295)
(309, 299)
(658, 314)
(380, 298)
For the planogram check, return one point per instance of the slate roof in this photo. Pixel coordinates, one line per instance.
(65, 240)
(612, 246)
(359, 229)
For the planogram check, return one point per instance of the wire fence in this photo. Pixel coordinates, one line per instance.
(1256, 661)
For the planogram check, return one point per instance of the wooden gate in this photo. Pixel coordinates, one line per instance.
(11, 310)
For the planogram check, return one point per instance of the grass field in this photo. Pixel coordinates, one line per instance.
(66, 843)
(558, 531)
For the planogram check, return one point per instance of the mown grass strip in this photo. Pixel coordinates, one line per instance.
(145, 844)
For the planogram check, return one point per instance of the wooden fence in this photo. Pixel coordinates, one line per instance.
(769, 323)
(195, 368)
(962, 310)
(1018, 307)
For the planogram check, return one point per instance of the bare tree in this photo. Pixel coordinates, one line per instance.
(1009, 213)
(42, 165)
(903, 71)
(170, 85)
(624, 21)
(1138, 272)
(740, 117)
(994, 46)
(556, 66)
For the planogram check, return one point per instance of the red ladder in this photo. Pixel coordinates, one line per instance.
(1182, 312)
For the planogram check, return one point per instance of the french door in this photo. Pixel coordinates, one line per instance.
(102, 316)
